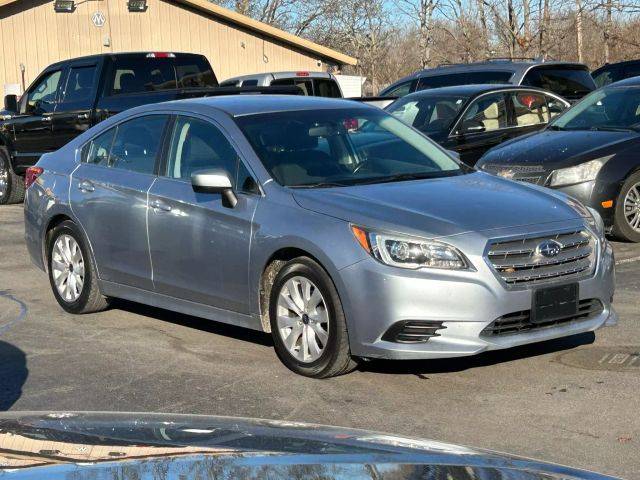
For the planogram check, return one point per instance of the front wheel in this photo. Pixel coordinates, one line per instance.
(71, 271)
(307, 321)
(627, 214)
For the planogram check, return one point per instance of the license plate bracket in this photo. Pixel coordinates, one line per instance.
(554, 303)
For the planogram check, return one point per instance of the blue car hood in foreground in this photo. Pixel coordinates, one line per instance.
(442, 206)
(96, 446)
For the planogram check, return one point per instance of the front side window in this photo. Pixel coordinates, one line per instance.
(486, 114)
(429, 114)
(607, 76)
(43, 95)
(530, 108)
(80, 83)
(343, 147)
(610, 108)
(199, 145)
(137, 143)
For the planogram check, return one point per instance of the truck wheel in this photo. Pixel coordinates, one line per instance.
(307, 321)
(71, 271)
(11, 185)
(627, 215)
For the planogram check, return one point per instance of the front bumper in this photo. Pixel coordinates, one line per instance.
(379, 296)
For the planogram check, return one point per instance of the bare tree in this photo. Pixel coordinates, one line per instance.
(420, 12)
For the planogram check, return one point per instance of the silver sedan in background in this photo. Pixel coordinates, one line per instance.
(334, 226)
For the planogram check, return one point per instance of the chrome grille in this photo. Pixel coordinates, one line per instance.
(520, 262)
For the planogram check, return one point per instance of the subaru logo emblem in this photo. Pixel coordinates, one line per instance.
(549, 248)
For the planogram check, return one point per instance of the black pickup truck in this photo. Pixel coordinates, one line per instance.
(71, 96)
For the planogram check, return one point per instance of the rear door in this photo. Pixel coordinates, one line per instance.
(484, 124)
(73, 113)
(32, 127)
(109, 197)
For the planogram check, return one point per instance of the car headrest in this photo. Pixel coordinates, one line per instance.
(492, 112)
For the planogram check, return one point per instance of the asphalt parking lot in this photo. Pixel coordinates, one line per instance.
(573, 401)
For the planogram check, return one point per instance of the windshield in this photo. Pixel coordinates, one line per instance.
(608, 108)
(429, 114)
(567, 82)
(343, 147)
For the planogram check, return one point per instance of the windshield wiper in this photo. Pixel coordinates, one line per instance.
(612, 129)
(319, 185)
(400, 177)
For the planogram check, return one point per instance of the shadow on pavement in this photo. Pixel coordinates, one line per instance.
(419, 367)
(209, 326)
(13, 374)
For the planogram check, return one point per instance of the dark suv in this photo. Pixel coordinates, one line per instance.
(571, 81)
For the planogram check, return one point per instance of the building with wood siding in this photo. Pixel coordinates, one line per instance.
(34, 35)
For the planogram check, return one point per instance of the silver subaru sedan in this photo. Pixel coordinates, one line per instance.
(330, 224)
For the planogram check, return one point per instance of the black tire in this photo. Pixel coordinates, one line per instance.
(14, 189)
(621, 227)
(336, 358)
(90, 299)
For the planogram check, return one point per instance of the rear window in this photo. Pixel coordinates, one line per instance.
(571, 83)
(141, 74)
(305, 84)
(327, 88)
(468, 78)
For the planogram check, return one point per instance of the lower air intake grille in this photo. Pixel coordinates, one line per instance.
(412, 331)
(518, 322)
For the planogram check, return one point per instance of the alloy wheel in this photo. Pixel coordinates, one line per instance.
(632, 207)
(67, 266)
(303, 319)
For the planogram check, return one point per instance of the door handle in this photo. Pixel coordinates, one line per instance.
(83, 116)
(86, 186)
(159, 205)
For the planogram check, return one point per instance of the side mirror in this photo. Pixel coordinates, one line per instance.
(215, 181)
(11, 103)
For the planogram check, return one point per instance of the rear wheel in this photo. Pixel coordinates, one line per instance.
(11, 185)
(71, 271)
(307, 321)
(627, 214)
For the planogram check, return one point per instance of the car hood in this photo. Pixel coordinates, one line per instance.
(118, 445)
(558, 149)
(440, 207)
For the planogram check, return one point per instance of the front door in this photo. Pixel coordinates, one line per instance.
(32, 126)
(483, 125)
(73, 114)
(109, 198)
(200, 247)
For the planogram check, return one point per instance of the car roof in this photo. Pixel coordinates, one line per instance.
(118, 55)
(253, 104)
(471, 90)
(487, 66)
(627, 82)
(614, 65)
(279, 75)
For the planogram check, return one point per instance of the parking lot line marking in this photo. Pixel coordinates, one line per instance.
(21, 315)
(628, 260)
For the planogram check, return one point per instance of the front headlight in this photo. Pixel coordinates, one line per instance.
(580, 173)
(407, 252)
